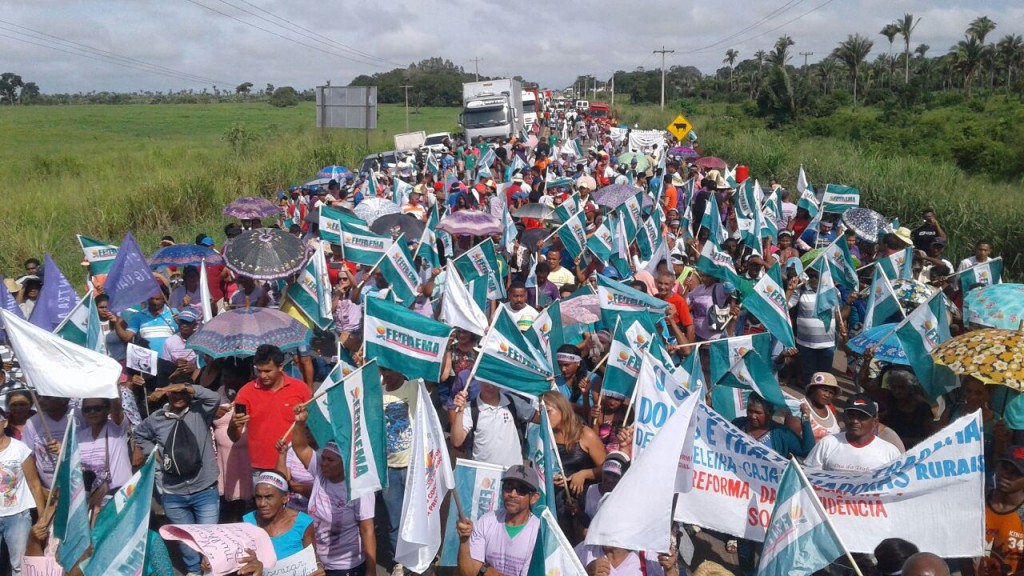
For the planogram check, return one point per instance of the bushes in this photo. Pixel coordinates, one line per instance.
(284, 96)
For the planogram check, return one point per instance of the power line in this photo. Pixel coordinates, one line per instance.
(476, 67)
(788, 22)
(778, 11)
(662, 52)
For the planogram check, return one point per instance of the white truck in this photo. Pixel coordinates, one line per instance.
(491, 109)
(530, 108)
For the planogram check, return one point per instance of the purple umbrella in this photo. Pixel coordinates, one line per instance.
(613, 195)
(711, 163)
(470, 223)
(181, 255)
(251, 208)
(239, 332)
(585, 309)
(265, 254)
(684, 151)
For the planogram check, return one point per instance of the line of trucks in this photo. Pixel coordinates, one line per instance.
(502, 108)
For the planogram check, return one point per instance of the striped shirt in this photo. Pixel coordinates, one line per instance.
(810, 330)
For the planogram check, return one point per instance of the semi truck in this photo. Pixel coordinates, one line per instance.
(492, 109)
(532, 108)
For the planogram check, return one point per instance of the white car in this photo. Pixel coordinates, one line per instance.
(435, 142)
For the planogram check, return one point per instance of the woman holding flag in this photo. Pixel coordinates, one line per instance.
(574, 382)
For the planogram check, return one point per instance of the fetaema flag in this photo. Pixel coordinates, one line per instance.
(601, 243)
(541, 451)
(397, 268)
(826, 297)
(400, 191)
(767, 302)
(426, 249)
(568, 208)
(457, 306)
(636, 513)
(839, 199)
(648, 236)
(546, 332)
(130, 281)
(330, 223)
(717, 263)
(919, 333)
(843, 270)
(71, 520)
(58, 297)
(357, 416)
(358, 244)
(56, 367)
(752, 371)
(311, 292)
(481, 261)
(624, 356)
(984, 274)
(898, 265)
(508, 360)
(630, 214)
(882, 301)
(552, 553)
(82, 326)
(404, 341)
(799, 539)
(619, 300)
(318, 419)
(574, 234)
(712, 221)
(98, 254)
(478, 488)
(121, 550)
(725, 352)
(429, 480)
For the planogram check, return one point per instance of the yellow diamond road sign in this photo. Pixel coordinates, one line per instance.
(680, 127)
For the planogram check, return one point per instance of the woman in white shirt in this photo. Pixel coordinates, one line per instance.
(20, 492)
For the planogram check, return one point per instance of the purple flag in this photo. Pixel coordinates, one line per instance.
(130, 281)
(56, 299)
(7, 301)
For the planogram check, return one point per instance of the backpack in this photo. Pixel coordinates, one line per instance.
(474, 415)
(181, 457)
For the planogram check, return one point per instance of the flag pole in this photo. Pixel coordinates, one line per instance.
(824, 515)
(479, 354)
(56, 469)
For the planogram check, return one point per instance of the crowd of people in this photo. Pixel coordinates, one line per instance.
(232, 432)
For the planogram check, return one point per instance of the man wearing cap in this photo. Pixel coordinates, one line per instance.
(1004, 528)
(190, 498)
(821, 392)
(174, 347)
(934, 256)
(501, 543)
(414, 207)
(857, 449)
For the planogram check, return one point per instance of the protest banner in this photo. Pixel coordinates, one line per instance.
(40, 566)
(223, 544)
(300, 564)
(736, 479)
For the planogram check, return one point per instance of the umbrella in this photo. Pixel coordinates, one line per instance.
(711, 163)
(251, 208)
(585, 309)
(317, 183)
(265, 254)
(334, 173)
(240, 331)
(536, 211)
(996, 306)
(810, 255)
(470, 223)
(529, 237)
(890, 351)
(181, 255)
(589, 180)
(866, 223)
(912, 291)
(372, 208)
(395, 225)
(614, 195)
(993, 355)
(683, 151)
(642, 164)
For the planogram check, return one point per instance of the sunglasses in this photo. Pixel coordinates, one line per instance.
(510, 487)
(93, 409)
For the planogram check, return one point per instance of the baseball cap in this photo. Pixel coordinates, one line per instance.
(863, 403)
(616, 464)
(1015, 457)
(187, 315)
(823, 379)
(204, 240)
(520, 473)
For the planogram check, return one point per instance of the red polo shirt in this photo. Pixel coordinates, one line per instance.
(271, 413)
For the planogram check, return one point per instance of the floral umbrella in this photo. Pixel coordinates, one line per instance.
(993, 355)
(912, 291)
(996, 306)
(240, 331)
(265, 254)
(470, 223)
(251, 208)
(867, 224)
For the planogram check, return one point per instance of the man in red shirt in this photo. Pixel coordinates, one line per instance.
(269, 404)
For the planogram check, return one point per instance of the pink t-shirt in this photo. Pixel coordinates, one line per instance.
(490, 543)
(336, 520)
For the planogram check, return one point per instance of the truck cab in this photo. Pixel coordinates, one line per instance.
(582, 105)
(531, 108)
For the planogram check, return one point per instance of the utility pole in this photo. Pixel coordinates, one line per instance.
(476, 67)
(663, 52)
(595, 86)
(805, 55)
(613, 89)
(406, 87)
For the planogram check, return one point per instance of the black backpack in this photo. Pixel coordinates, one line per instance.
(181, 457)
(474, 415)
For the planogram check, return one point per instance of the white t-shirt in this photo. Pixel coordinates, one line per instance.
(491, 543)
(336, 520)
(15, 496)
(94, 453)
(524, 317)
(822, 426)
(561, 277)
(36, 438)
(836, 453)
(496, 440)
(631, 566)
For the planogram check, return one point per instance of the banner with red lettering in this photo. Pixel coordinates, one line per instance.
(735, 479)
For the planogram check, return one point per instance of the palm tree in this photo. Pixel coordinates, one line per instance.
(780, 54)
(851, 53)
(730, 59)
(1010, 50)
(980, 27)
(827, 70)
(921, 50)
(760, 57)
(906, 28)
(890, 31)
(968, 57)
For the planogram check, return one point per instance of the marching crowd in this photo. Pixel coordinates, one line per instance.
(234, 434)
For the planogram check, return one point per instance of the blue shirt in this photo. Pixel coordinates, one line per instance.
(291, 541)
(155, 329)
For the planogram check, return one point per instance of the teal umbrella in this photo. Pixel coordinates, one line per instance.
(641, 161)
(996, 306)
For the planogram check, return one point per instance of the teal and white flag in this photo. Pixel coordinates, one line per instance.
(631, 216)
(712, 222)
(801, 182)
(373, 188)
(844, 272)
(426, 249)
(767, 302)
(478, 488)
(617, 299)
(458, 309)
(397, 268)
(357, 416)
(717, 263)
(330, 224)
(404, 341)
(552, 553)
(546, 331)
(120, 546)
(799, 540)
(311, 292)
(481, 261)
(601, 243)
(730, 402)
(839, 199)
(573, 234)
(508, 360)
(752, 371)
(749, 219)
(318, 412)
(649, 235)
(920, 333)
(400, 190)
(98, 253)
(826, 298)
(661, 254)
(432, 164)
(71, 520)
(726, 351)
(984, 274)
(568, 208)
(82, 326)
(542, 452)
(624, 356)
(509, 233)
(433, 217)
(898, 265)
(882, 301)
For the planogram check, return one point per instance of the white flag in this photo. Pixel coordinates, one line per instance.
(56, 367)
(204, 293)
(458, 308)
(429, 479)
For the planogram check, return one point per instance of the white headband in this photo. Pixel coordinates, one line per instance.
(274, 479)
(567, 357)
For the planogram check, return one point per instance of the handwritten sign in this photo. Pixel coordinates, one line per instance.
(142, 359)
(40, 566)
(223, 544)
(299, 564)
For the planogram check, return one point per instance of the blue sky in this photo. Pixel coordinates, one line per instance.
(305, 43)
